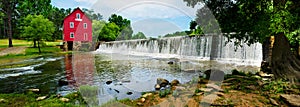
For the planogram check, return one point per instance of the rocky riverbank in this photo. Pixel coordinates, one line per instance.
(237, 89)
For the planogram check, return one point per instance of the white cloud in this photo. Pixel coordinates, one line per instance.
(87, 1)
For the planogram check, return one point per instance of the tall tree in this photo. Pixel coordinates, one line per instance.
(92, 15)
(8, 8)
(109, 32)
(38, 28)
(139, 35)
(97, 27)
(257, 20)
(124, 25)
(34, 7)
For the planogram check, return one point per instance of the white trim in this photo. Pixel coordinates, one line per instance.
(85, 25)
(72, 33)
(72, 25)
(85, 37)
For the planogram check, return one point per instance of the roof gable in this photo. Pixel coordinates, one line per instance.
(78, 9)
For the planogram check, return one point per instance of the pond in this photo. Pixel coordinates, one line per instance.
(103, 76)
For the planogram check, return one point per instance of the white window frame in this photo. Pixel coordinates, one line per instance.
(85, 25)
(85, 36)
(71, 24)
(72, 33)
(78, 16)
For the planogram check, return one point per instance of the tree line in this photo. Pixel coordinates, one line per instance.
(256, 21)
(19, 19)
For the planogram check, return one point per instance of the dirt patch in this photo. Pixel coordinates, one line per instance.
(13, 50)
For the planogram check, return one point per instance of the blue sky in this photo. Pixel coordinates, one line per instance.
(153, 17)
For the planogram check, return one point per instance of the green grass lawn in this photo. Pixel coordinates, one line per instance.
(4, 43)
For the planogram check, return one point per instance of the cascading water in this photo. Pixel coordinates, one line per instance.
(196, 48)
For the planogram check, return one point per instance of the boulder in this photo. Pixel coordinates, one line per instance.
(171, 62)
(214, 75)
(174, 82)
(143, 100)
(162, 82)
(129, 93)
(205, 89)
(291, 99)
(157, 87)
(216, 87)
(146, 95)
(41, 98)
(64, 99)
(108, 82)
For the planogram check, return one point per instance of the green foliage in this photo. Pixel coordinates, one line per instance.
(164, 93)
(109, 32)
(37, 28)
(276, 87)
(193, 25)
(92, 15)
(139, 35)
(182, 33)
(97, 27)
(90, 93)
(125, 30)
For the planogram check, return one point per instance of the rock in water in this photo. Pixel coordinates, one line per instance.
(129, 93)
(108, 82)
(171, 62)
(174, 82)
(157, 87)
(291, 99)
(162, 82)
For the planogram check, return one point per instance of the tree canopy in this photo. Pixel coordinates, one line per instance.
(38, 28)
(139, 35)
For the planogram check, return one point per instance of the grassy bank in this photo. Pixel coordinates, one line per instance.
(4, 43)
(30, 99)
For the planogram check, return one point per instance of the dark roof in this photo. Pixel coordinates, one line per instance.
(79, 10)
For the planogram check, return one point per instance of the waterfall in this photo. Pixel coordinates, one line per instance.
(196, 48)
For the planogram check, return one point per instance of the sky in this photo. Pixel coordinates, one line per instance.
(152, 17)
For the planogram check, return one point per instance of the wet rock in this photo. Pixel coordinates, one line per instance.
(41, 98)
(146, 95)
(162, 82)
(108, 82)
(174, 82)
(274, 102)
(291, 99)
(139, 104)
(265, 75)
(171, 62)
(64, 99)
(216, 87)
(220, 94)
(129, 93)
(63, 82)
(205, 89)
(157, 87)
(117, 91)
(214, 75)
(143, 100)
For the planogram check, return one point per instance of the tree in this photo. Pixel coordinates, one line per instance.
(109, 32)
(97, 27)
(123, 24)
(8, 8)
(193, 25)
(257, 20)
(139, 35)
(92, 15)
(37, 28)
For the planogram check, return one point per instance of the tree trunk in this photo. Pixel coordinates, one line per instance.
(284, 63)
(9, 30)
(34, 43)
(39, 46)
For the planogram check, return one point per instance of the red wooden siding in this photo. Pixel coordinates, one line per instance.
(78, 30)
